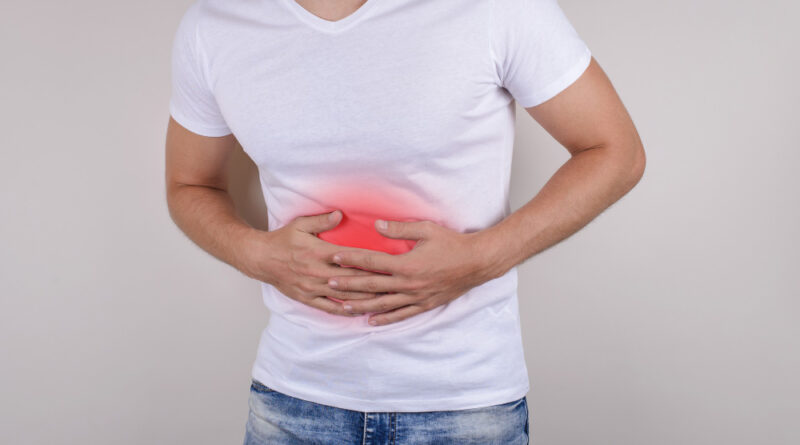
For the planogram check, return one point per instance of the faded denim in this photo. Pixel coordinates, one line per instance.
(276, 418)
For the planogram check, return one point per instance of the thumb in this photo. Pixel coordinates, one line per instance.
(319, 223)
(415, 230)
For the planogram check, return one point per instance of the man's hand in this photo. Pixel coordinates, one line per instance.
(442, 266)
(297, 263)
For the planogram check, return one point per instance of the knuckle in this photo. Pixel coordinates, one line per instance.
(294, 236)
(301, 296)
(305, 286)
(319, 304)
(316, 274)
(297, 259)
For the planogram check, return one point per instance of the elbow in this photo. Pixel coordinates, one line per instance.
(171, 202)
(629, 162)
(636, 164)
(639, 163)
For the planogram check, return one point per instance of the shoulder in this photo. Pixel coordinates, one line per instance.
(202, 14)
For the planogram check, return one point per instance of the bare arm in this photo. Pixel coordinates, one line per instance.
(607, 161)
(197, 195)
(290, 258)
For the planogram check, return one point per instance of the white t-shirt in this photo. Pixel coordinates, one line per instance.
(402, 110)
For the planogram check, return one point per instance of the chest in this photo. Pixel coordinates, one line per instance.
(390, 96)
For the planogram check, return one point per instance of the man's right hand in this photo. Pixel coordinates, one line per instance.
(299, 264)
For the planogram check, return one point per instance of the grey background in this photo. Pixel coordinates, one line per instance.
(670, 319)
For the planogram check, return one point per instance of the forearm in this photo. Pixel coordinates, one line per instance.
(588, 183)
(208, 217)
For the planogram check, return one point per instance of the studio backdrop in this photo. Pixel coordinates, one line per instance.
(671, 319)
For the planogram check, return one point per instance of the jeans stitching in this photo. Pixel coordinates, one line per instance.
(394, 427)
(364, 436)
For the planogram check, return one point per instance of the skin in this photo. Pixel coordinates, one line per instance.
(291, 258)
(607, 160)
(588, 119)
(329, 10)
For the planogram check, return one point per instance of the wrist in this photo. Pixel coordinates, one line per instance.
(245, 242)
(491, 256)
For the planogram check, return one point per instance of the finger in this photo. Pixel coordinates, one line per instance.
(321, 274)
(373, 284)
(371, 260)
(413, 230)
(322, 288)
(329, 306)
(318, 223)
(396, 315)
(342, 296)
(331, 271)
(381, 303)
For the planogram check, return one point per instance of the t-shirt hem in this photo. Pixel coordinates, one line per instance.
(197, 128)
(393, 405)
(560, 84)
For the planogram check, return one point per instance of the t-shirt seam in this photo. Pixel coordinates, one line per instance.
(546, 93)
(195, 126)
(199, 61)
(202, 70)
(493, 59)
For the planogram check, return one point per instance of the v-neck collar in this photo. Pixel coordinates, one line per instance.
(329, 26)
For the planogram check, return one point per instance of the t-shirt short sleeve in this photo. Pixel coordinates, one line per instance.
(537, 52)
(192, 103)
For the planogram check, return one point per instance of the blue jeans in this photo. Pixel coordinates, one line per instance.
(279, 419)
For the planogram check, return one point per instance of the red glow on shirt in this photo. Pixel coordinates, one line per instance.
(361, 206)
(358, 230)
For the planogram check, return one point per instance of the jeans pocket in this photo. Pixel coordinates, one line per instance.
(257, 386)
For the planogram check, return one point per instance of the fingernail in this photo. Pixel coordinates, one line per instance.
(382, 224)
(373, 322)
(333, 215)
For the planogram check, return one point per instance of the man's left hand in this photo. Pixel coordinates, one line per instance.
(442, 266)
